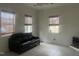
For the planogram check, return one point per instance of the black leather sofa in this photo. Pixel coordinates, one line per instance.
(21, 42)
(75, 42)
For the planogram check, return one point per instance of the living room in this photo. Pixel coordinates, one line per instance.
(67, 23)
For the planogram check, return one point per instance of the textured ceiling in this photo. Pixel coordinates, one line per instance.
(43, 5)
(47, 5)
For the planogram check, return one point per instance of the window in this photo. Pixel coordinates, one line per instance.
(54, 24)
(28, 24)
(7, 23)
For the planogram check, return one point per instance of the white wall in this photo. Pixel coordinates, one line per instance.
(20, 12)
(69, 24)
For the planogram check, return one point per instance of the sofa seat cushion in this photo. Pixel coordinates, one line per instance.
(26, 43)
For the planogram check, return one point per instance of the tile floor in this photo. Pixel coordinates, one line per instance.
(45, 49)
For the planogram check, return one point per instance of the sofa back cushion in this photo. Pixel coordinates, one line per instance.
(21, 37)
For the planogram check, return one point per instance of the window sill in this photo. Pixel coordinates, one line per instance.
(6, 35)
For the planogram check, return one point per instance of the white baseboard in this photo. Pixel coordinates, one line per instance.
(74, 48)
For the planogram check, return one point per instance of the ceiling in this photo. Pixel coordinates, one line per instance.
(47, 5)
(43, 5)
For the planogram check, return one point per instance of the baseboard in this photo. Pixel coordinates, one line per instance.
(74, 48)
(56, 44)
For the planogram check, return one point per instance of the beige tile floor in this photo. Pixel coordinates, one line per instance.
(45, 49)
(51, 50)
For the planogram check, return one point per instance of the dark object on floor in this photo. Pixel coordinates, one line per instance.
(75, 42)
(21, 42)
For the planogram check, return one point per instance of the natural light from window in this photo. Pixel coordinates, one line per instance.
(54, 24)
(7, 24)
(28, 24)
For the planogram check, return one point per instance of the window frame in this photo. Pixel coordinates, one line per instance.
(54, 24)
(14, 23)
(28, 24)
